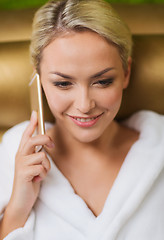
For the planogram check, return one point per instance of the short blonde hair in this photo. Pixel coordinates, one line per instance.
(60, 17)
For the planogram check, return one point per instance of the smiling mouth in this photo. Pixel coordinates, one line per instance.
(85, 119)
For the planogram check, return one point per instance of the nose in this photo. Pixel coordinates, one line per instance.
(84, 101)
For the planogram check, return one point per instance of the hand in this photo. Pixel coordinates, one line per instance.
(30, 169)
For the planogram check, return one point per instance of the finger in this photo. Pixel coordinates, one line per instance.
(37, 179)
(38, 158)
(30, 129)
(38, 140)
(36, 170)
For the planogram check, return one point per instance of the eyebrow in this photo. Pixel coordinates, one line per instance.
(96, 75)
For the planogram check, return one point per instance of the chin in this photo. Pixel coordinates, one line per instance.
(87, 136)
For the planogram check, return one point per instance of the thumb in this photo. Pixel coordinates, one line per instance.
(30, 128)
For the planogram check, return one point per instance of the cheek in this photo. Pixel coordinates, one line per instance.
(111, 99)
(58, 103)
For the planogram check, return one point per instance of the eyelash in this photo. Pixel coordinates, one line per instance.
(65, 84)
(105, 82)
(62, 84)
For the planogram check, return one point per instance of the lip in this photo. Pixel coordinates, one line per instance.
(86, 124)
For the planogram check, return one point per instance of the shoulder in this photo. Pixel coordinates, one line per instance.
(150, 125)
(145, 120)
(12, 137)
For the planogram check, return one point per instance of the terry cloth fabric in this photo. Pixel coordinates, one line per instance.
(134, 208)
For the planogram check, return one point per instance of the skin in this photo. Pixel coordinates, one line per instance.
(84, 97)
(90, 157)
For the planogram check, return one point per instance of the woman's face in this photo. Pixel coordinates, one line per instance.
(83, 79)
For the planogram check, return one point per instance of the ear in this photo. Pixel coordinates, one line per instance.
(127, 73)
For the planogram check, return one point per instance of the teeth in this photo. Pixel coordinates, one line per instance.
(84, 120)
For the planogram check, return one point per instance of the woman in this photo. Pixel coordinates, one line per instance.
(96, 178)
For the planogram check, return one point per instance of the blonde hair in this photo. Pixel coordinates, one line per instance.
(60, 17)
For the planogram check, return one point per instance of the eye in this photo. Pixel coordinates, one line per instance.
(105, 82)
(62, 84)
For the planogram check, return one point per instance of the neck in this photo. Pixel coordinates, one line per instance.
(71, 148)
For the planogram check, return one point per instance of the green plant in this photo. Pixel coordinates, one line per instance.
(19, 4)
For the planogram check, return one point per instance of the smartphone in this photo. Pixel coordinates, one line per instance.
(37, 102)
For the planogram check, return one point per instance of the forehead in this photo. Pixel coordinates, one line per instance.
(84, 50)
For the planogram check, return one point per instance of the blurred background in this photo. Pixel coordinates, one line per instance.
(145, 19)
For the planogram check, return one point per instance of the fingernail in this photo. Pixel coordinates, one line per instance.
(37, 179)
(50, 145)
(38, 148)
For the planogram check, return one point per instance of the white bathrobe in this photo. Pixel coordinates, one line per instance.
(134, 208)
